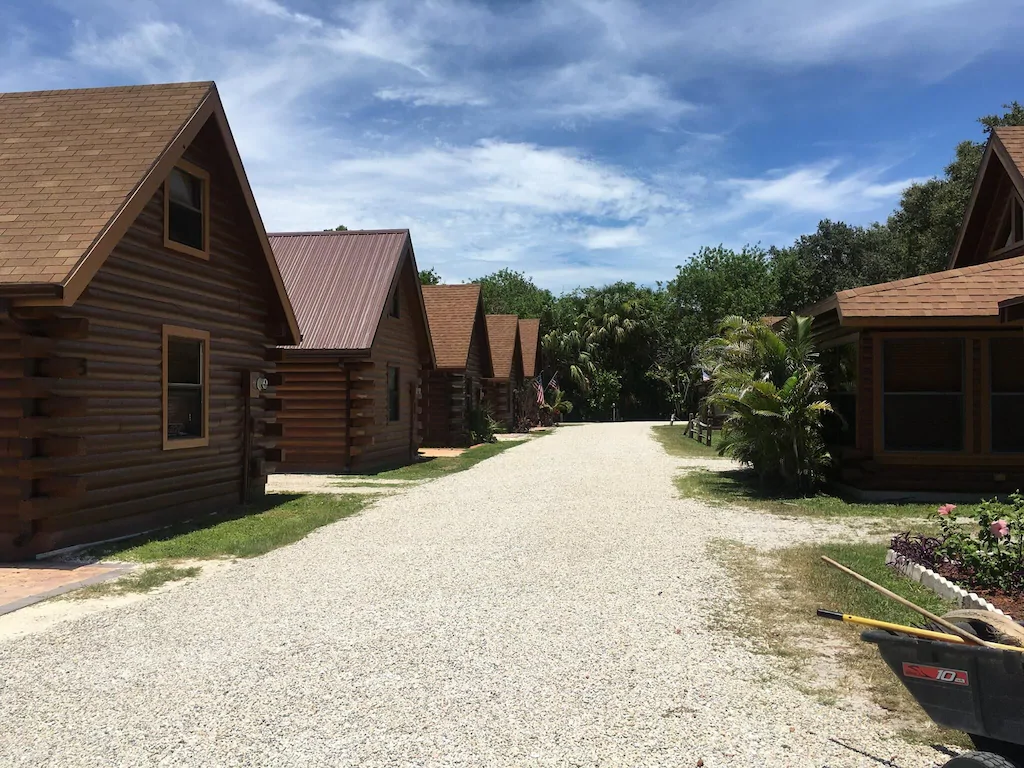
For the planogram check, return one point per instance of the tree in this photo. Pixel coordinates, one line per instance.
(771, 387)
(339, 228)
(507, 292)
(430, 277)
(714, 284)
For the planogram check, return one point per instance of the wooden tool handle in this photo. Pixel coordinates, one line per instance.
(967, 636)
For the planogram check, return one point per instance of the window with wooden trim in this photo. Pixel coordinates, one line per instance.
(1006, 389)
(1010, 233)
(923, 395)
(394, 395)
(187, 210)
(395, 308)
(186, 387)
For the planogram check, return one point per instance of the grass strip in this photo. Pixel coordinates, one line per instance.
(141, 581)
(279, 520)
(675, 442)
(429, 469)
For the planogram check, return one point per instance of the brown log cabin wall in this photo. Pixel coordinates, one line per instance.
(326, 407)
(334, 408)
(444, 405)
(97, 460)
(976, 470)
(400, 342)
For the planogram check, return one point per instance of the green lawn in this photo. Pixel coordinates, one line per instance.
(675, 441)
(428, 469)
(275, 522)
(143, 580)
(780, 592)
(739, 486)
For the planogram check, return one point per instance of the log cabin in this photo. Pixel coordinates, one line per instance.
(350, 392)
(139, 306)
(529, 336)
(458, 330)
(502, 390)
(927, 380)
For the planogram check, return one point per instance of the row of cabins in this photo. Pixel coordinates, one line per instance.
(161, 354)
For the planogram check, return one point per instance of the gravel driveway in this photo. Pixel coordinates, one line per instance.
(520, 613)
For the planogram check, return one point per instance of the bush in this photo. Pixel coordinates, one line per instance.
(992, 557)
(482, 426)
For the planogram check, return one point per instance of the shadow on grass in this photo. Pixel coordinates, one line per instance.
(243, 531)
(433, 467)
(741, 487)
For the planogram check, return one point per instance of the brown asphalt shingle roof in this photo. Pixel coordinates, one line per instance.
(339, 282)
(502, 332)
(1012, 138)
(529, 337)
(68, 162)
(967, 292)
(452, 312)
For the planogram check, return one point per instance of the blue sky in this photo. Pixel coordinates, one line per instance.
(581, 141)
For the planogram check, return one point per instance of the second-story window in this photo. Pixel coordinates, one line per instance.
(186, 211)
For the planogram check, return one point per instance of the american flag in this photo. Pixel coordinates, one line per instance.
(538, 384)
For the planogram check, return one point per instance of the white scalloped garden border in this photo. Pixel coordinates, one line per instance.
(940, 585)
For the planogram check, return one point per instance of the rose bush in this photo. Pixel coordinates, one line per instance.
(986, 555)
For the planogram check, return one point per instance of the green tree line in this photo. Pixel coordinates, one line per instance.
(629, 350)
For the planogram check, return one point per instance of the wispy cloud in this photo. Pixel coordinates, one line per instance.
(434, 96)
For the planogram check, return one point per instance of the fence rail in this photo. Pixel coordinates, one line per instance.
(699, 430)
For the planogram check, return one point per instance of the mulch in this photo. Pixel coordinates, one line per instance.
(1010, 603)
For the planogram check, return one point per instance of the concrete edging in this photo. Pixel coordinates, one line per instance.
(940, 585)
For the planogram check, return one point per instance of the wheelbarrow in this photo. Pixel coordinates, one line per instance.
(968, 688)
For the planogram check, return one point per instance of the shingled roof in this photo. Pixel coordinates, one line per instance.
(529, 337)
(339, 282)
(503, 334)
(452, 311)
(968, 293)
(77, 167)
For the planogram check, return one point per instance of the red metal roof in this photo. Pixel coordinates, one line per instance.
(339, 282)
(529, 337)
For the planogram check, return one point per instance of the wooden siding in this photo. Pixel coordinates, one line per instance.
(445, 394)
(87, 461)
(334, 409)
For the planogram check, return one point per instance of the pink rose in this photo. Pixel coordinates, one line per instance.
(945, 509)
(999, 529)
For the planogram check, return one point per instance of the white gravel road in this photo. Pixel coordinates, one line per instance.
(521, 613)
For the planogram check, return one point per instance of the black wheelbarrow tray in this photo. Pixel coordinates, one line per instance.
(968, 688)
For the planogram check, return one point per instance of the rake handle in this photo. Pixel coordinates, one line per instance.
(963, 634)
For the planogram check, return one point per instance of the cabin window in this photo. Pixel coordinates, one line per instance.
(923, 394)
(396, 303)
(186, 387)
(1006, 382)
(394, 402)
(1011, 227)
(186, 210)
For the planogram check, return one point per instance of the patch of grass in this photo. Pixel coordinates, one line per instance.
(739, 486)
(781, 591)
(674, 440)
(253, 531)
(140, 581)
(428, 469)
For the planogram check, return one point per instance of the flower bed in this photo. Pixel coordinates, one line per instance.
(988, 561)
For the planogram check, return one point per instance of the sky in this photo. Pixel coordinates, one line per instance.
(578, 141)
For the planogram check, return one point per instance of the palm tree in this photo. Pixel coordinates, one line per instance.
(557, 407)
(771, 387)
(571, 355)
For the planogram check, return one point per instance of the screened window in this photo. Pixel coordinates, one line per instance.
(923, 394)
(186, 209)
(186, 387)
(394, 403)
(1006, 367)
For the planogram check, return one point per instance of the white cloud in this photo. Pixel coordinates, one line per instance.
(592, 90)
(608, 238)
(277, 10)
(434, 96)
(157, 50)
(818, 189)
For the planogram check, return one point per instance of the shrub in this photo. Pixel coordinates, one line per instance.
(482, 426)
(992, 557)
